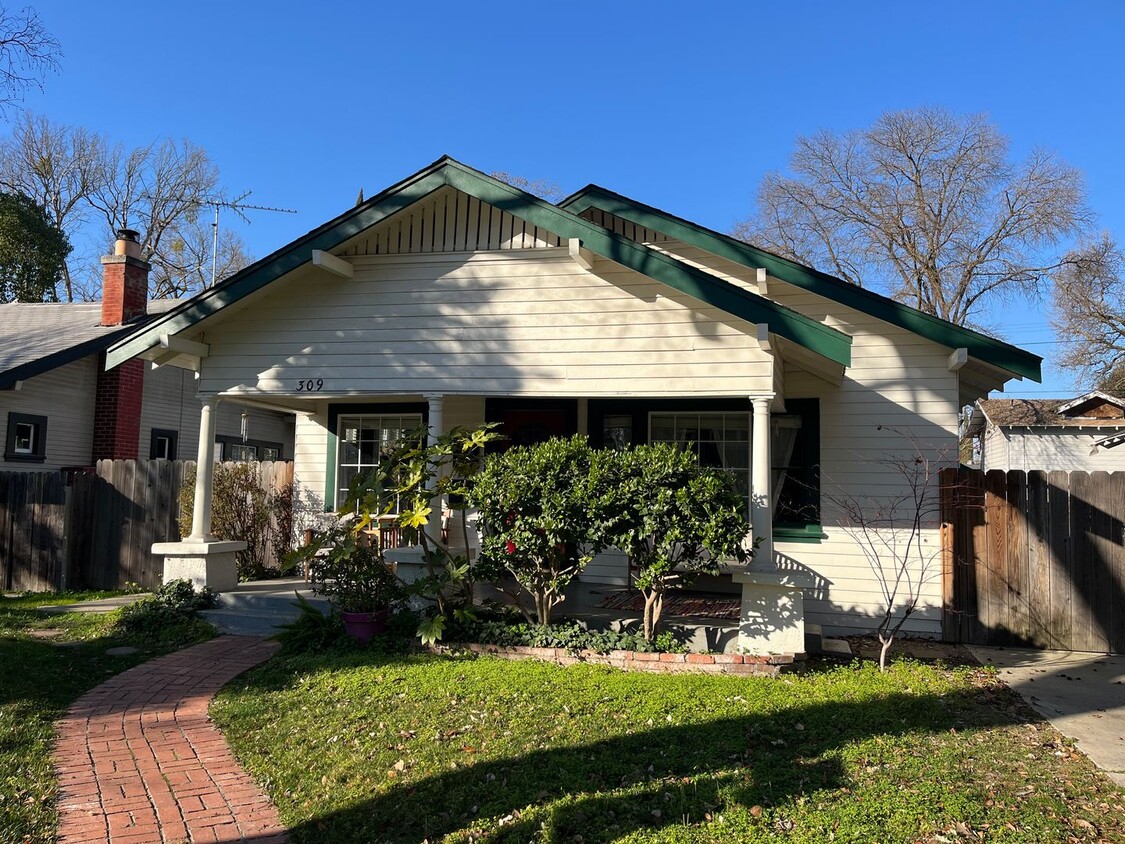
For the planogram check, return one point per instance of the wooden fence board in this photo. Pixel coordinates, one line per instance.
(1038, 558)
(1062, 578)
(1016, 597)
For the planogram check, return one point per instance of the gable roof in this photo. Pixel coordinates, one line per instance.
(36, 337)
(785, 322)
(1037, 413)
(987, 349)
(1093, 398)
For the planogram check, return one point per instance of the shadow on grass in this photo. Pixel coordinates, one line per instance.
(658, 777)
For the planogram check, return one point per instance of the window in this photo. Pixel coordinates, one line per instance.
(27, 438)
(163, 444)
(234, 448)
(362, 439)
(719, 433)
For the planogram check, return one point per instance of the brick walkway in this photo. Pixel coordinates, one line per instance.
(138, 759)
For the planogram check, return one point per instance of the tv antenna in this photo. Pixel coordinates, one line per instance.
(239, 207)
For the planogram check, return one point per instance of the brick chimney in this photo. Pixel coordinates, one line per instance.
(124, 280)
(117, 404)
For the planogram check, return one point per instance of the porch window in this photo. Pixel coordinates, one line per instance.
(362, 440)
(719, 440)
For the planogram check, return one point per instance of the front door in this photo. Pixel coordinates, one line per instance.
(530, 421)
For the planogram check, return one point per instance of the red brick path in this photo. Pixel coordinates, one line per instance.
(138, 759)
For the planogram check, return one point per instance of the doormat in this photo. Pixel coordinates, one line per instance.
(705, 606)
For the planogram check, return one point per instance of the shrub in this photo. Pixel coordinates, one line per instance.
(570, 635)
(243, 510)
(169, 615)
(534, 505)
(674, 518)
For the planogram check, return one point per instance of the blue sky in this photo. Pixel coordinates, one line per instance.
(682, 105)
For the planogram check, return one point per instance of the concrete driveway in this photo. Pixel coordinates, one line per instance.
(1081, 694)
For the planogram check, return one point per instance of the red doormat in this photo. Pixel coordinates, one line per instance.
(706, 606)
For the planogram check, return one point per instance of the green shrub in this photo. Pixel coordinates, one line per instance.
(534, 504)
(169, 615)
(245, 511)
(570, 635)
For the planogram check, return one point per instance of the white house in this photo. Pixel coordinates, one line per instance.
(452, 298)
(61, 408)
(1079, 434)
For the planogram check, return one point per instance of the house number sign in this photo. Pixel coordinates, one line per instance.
(310, 385)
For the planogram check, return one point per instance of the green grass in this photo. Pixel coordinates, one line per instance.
(363, 748)
(39, 678)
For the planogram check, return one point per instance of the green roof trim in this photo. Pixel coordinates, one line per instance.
(987, 349)
(785, 322)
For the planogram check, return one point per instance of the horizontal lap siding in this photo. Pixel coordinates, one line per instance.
(897, 380)
(487, 324)
(66, 397)
(1065, 450)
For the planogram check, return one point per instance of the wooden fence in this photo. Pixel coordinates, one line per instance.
(1034, 558)
(95, 531)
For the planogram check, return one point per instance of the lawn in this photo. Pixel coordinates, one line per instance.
(46, 662)
(364, 748)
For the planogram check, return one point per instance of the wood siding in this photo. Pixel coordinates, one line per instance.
(66, 397)
(526, 323)
(448, 221)
(1062, 449)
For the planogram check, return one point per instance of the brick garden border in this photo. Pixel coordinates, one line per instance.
(659, 663)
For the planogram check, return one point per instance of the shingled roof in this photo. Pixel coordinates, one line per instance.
(36, 337)
(1039, 413)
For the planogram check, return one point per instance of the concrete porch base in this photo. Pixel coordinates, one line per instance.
(772, 620)
(204, 562)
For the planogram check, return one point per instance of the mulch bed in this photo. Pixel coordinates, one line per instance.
(704, 606)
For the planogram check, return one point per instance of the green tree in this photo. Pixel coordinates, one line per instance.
(536, 519)
(32, 251)
(674, 518)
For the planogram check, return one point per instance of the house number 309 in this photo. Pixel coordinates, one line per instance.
(310, 385)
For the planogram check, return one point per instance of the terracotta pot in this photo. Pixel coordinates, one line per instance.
(364, 626)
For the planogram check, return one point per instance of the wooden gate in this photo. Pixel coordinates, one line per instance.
(1034, 558)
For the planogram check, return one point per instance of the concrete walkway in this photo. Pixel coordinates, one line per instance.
(139, 761)
(1081, 694)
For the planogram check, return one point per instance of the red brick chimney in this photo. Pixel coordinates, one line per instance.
(117, 404)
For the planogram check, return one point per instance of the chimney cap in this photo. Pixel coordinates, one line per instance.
(128, 234)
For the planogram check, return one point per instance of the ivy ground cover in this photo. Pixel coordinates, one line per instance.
(361, 748)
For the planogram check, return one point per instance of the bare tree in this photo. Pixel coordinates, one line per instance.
(540, 187)
(925, 203)
(185, 259)
(891, 530)
(27, 53)
(57, 166)
(1090, 313)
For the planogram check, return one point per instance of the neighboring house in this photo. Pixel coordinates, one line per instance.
(60, 408)
(1051, 434)
(453, 299)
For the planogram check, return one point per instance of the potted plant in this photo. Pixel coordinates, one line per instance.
(356, 579)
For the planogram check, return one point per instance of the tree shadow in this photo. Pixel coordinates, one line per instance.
(651, 779)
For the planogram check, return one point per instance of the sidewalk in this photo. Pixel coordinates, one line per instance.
(1081, 694)
(139, 761)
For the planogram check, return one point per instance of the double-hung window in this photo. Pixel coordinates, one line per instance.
(26, 438)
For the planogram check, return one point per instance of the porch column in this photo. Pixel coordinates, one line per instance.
(433, 431)
(204, 472)
(200, 557)
(761, 499)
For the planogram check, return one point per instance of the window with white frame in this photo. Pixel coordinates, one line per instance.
(719, 440)
(26, 438)
(362, 439)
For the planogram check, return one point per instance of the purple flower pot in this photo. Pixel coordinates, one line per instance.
(364, 626)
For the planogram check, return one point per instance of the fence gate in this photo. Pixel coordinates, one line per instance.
(1034, 559)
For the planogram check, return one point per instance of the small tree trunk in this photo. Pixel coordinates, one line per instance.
(885, 641)
(646, 624)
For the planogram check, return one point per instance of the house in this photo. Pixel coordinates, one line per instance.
(451, 298)
(1078, 434)
(61, 408)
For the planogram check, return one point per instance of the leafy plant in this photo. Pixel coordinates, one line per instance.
(312, 630)
(674, 518)
(352, 573)
(243, 509)
(422, 479)
(168, 615)
(571, 635)
(535, 519)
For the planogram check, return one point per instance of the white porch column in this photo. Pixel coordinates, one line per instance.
(437, 422)
(204, 472)
(200, 557)
(761, 497)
